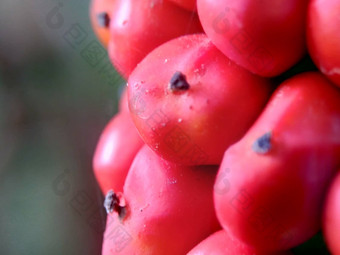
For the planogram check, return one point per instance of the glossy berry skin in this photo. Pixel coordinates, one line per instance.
(271, 184)
(139, 26)
(115, 151)
(169, 208)
(189, 102)
(100, 16)
(222, 243)
(323, 37)
(123, 101)
(331, 216)
(266, 37)
(190, 5)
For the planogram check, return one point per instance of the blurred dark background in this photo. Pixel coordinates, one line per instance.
(57, 92)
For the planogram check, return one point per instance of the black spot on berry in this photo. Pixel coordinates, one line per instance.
(103, 19)
(178, 82)
(263, 144)
(112, 203)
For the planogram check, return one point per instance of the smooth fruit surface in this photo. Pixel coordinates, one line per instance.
(115, 151)
(323, 37)
(272, 183)
(331, 217)
(266, 37)
(190, 5)
(139, 26)
(222, 243)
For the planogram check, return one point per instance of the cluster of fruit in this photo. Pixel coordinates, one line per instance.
(220, 145)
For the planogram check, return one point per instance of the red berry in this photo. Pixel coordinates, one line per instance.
(190, 102)
(331, 216)
(116, 149)
(272, 183)
(266, 37)
(222, 243)
(169, 208)
(139, 26)
(323, 38)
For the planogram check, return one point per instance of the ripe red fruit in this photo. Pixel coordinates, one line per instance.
(272, 183)
(190, 5)
(331, 217)
(100, 15)
(116, 149)
(266, 37)
(139, 26)
(323, 36)
(222, 243)
(165, 208)
(190, 102)
(123, 102)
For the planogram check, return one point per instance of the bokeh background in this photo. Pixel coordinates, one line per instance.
(57, 92)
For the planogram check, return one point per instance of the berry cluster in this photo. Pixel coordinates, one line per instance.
(227, 139)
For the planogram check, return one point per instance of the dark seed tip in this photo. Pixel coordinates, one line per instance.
(115, 203)
(103, 19)
(110, 201)
(178, 82)
(263, 144)
(122, 213)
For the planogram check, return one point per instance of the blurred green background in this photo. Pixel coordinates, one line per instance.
(57, 92)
